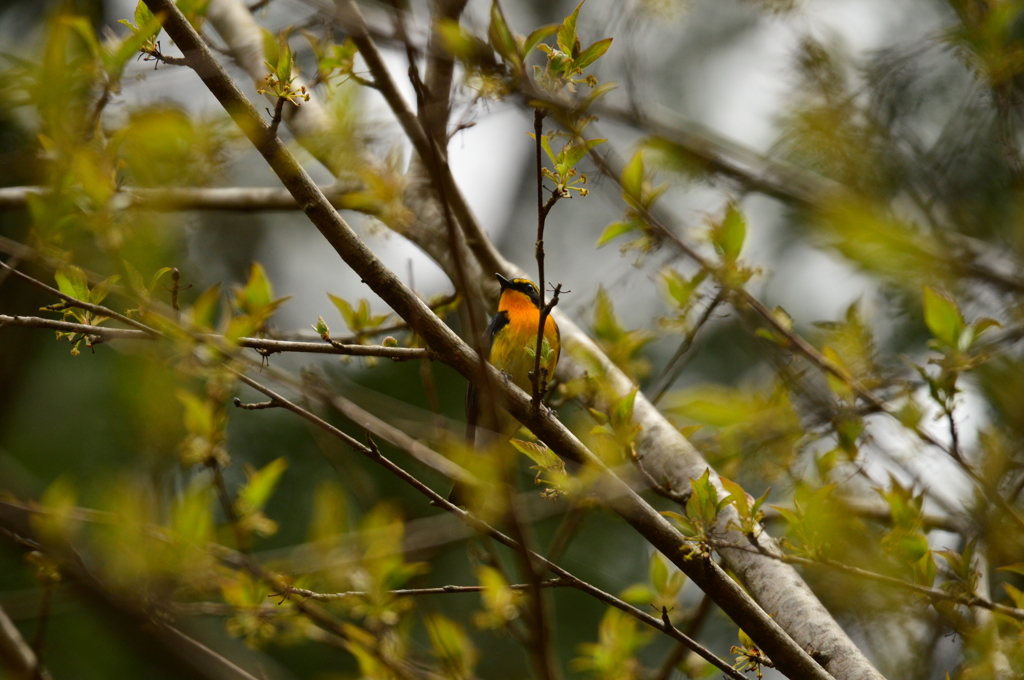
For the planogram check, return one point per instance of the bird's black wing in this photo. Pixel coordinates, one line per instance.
(499, 321)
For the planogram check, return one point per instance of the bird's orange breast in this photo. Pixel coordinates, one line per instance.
(514, 345)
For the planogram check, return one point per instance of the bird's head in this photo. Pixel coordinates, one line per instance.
(516, 292)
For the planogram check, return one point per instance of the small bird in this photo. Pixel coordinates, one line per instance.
(510, 342)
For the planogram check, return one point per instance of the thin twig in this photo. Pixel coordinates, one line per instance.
(934, 594)
(693, 626)
(676, 364)
(264, 345)
(415, 592)
(539, 377)
(74, 302)
(275, 119)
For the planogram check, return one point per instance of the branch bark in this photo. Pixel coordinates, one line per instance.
(239, 199)
(16, 656)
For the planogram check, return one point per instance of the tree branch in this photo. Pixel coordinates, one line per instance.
(415, 592)
(166, 199)
(16, 656)
(263, 345)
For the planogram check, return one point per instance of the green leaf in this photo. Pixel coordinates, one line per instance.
(346, 311)
(133, 43)
(258, 292)
(615, 230)
(593, 53)
(567, 41)
(204, 309)
(284, 60)
(102, 289)
(728, 236)
(537, 35)
(257, 491)
(271, 48)
(658, 572)
(501, 37)
(192, 515)
(737, 496)
(639, 594)
(1017, 568)
(943, 317)
(142, 14)
(623, 412)
(756, 507)
(156, 278)
(633, 176)
(72, 281)
(198, 417)
(576, 152)
(537, 452)
(546, 145)
(679, 287)
(321, 328)
(135, 282)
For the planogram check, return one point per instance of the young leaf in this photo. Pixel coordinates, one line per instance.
(576, 152)
(943, 318)
(72, 281)
(500, 35)
(346, 311)
(284, 61)
(204, 308)
(633, 176)
(567, 41)
(593, 53)
(615, 230)
(102, 289)
(728, 236)
(257, 491)
(536, 36)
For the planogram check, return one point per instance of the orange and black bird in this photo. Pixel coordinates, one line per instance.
(510, 342)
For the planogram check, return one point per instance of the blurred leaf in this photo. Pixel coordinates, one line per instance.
(942, 317)
(261, 484)
(204, 309)
(729, 234)
(615, 230)
(452, 647)
(72, 281)
(501, 37)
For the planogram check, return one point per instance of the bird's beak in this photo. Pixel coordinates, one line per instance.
(503, 282)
